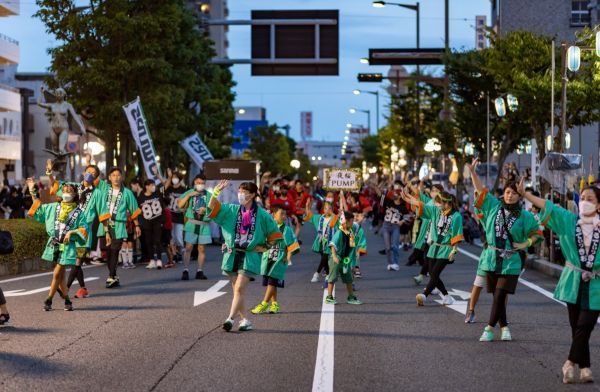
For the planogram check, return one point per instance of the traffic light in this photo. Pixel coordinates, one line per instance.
(370, 77)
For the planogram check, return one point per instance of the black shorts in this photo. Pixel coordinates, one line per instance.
(130, 237)
(505, 282)
(268, 281)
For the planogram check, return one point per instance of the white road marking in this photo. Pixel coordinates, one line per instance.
(40, 274)
(323, 379)
(465, 295)
(213, 292)
(459, 306)
(21, 292)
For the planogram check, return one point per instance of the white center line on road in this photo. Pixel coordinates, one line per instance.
(21, 292)
(40, 274)
(323, 379)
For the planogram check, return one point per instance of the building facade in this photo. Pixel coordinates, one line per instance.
(213, 10)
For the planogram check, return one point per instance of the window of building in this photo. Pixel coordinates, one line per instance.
(580, 15)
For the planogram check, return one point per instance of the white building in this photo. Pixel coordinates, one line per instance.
(322, 153)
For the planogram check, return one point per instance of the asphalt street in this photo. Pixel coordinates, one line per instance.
(148, 336)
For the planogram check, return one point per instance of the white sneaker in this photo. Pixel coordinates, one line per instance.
(389, 267)
(159, 264)
(436, 292)
(151, 265)
(125, 265)
(245, 325)
(448, 300)
(131, 265)
(315, 278)
(421, 298)
(395, 267)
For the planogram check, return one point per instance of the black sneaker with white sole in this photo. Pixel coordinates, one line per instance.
(185, 275)
(48, 305)
(200, 275)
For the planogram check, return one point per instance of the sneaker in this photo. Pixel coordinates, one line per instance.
(395, 267)
(245, 325)
(330, 300)
(200, 275)
(568, 373)
(82, 293)
(585, 376)
(186, 276)
(228, 325)
(130, 265)
(421, 298)
(418, 279)
(97, 261)
(260, 308)
(159, 264)
(151, 265)
(435, 292)
(382, 252)
(506, 336)
(448, 300)
(170, 264)
(4, 318)
(112, 282)
(315, 278)
(487, 335)
(48, 305)
(389, 267)
(352, 300)
(357, 274)
(68, 305)
(274, 308)
(470, 319)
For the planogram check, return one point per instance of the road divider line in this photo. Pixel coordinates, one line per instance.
(323, 379)
(21, 292)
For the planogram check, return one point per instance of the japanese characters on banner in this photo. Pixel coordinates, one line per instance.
(141, 134)
(342, 179)
(306, 125)
(196, 149)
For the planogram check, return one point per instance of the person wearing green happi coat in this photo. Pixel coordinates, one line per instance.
(89, 191)
(117, 201)
(325, 225)
(275, 262)
(421, 246)
(445, 234)
(509, 231)
(248, 229)
(66, 226)
(579, 283)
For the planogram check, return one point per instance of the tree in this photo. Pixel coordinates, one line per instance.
(272, 148)
(117, 50)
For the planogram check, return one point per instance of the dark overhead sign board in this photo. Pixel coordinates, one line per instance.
(405, 56)
(295, 43)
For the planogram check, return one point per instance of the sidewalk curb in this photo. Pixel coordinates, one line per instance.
(25, 267)
(544, 266)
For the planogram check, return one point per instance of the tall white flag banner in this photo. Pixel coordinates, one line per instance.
(196, 149)
(143, 139)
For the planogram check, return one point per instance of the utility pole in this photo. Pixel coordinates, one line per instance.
(563, 103)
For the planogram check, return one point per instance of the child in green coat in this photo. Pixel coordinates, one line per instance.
(66, 226)
(275, 261)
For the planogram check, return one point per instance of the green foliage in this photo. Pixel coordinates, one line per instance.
(370, 149)
(119, 49)
(272, 148)
(29, 238)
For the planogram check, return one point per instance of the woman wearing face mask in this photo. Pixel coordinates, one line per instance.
(89, 192)
(197, 228)
(445, 234)
(152, 218)
(510, 230)
(579, 284)
(247, 231)
(174, 189)
(325, 224)
(66, 227)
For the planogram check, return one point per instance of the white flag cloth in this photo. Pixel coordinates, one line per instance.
(196, 149)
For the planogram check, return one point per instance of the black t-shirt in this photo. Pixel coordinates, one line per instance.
(152, 208)
(171, 196)
(394, 213)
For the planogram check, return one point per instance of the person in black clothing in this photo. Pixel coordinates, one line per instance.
(151, 222)
(15, 203)
(174, 189)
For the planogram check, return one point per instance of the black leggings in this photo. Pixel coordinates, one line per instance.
(113, 256)
(436, 266)
(152, 234)
(2, 299)
(324, 264)
(76, 273)
(498, 314)
(582, 324)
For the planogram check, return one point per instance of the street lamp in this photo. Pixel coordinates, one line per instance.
(364, 60)
(295, 164)
(368, 112)
(376, 94)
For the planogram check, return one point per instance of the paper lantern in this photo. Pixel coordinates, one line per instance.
(500, 107)
(598, 43)
(573, 58)
(512, 101)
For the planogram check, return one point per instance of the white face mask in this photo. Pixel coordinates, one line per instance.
(329, 199)
(68, 197)
(175, 181)
(199, 187)
(242, 198)
(586, 208)
(275, 188)
(396, 187)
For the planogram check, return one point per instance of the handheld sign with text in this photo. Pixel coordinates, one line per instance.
(341, 180)
(143, 139)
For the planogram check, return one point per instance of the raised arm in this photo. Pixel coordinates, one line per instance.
(39, 100)
(536, 201)
(49, 173)
(220, 186)
(474, 177)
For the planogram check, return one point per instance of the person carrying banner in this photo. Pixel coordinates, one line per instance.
(248, 230)
(197, 228)
(89, 192)
(66, 226)
(118, 202)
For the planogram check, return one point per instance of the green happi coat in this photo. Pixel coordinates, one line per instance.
(265, 230)
(194, 203)
(344, 247)
(274, 261)
(118, 218)
(425, 223)
(451, 235)
(325, 231)
(94, 208)
(571, 288)
(361, 244)
(523, 228)
(48, 214)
